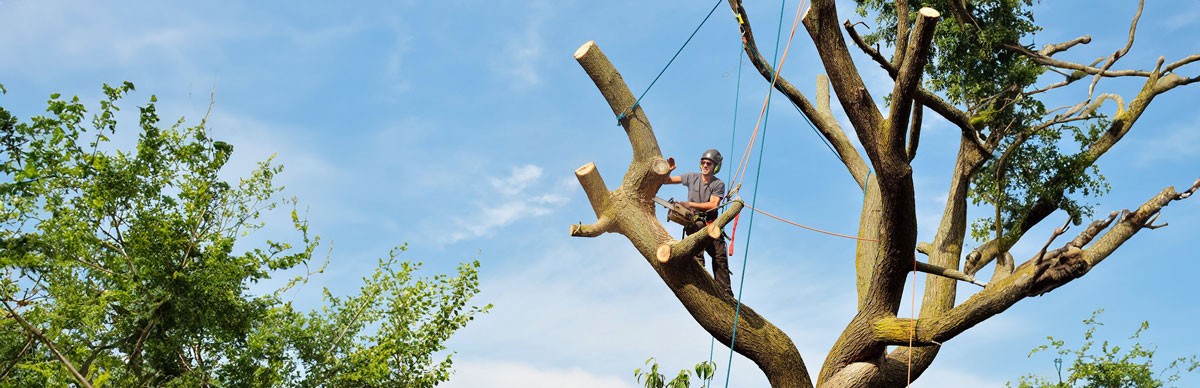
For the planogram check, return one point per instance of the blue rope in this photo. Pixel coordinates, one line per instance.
(814, 129)
(737, 95)
(753, 203)
(623, 114)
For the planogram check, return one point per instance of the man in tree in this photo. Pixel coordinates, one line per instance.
(705, 191)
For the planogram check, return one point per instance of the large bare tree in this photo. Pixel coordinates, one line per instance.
(962, 60)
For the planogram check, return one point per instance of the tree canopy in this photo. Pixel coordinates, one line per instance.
(122, 265)
(1110, 367)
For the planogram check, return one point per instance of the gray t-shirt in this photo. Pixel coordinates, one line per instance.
(698, 191)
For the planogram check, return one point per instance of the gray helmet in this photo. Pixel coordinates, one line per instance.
(715, 156)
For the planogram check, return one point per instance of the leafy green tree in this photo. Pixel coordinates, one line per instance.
(118, 267)
(652, 378)
(1110, 367)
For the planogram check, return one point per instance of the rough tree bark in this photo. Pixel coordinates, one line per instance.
(889, 136)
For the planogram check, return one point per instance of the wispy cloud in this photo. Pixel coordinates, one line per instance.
(524, 49)
(502, 374)
(1185, 15)
(94, 36)
(517, 196)
(396, 58)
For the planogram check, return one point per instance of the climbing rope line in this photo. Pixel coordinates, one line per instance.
(737, 95)
(793, 223)
(623, 114)
(740, 175)
(758, 174)
(815, 131)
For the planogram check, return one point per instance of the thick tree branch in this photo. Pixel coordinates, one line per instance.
(620, 99)
(908, 79)
(902, 20)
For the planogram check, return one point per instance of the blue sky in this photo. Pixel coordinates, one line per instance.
(455, 126)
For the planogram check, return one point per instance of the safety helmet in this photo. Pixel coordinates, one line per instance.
(715, 157)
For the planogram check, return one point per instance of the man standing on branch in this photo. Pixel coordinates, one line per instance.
(704, 197)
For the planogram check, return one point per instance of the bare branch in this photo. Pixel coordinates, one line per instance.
(901, 32)
(1182, 62)
(914, 133)
(49, 344)
(946, 272)
(17, 359)
(872, 52)
(1090, 70)
(1054, 235)
(1120, 53)
(1050, 49)
(908, 79)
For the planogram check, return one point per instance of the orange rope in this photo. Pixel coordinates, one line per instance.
(739, 175)
(809, 227)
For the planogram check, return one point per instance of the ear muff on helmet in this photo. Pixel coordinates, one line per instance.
(715, 157)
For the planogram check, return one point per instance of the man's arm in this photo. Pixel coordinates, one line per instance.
(713, 203)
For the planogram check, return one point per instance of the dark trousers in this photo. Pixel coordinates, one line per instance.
(720, 259)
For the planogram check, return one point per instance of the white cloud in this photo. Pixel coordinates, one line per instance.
(521, 177)
(1183, 17)
(502, 374)
(514, 197)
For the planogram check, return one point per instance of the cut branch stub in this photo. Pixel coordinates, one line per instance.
(593, 186)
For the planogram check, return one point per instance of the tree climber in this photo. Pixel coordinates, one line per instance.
(705, 191)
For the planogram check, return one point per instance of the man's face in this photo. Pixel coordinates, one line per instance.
(706, 166)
